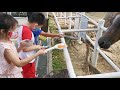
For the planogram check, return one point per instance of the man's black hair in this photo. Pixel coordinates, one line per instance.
(37, 17)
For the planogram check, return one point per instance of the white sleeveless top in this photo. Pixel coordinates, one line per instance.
(22, 54)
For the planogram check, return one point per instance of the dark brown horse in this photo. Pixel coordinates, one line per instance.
(109, 17)
(111, 35)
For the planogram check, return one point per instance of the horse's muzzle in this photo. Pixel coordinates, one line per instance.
(104, 43)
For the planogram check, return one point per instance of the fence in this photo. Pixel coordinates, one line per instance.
(81, 22)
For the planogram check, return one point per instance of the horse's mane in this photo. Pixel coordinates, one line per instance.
(109, 17)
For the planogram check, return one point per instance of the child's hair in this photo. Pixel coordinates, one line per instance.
(37, 17)
(7, 22)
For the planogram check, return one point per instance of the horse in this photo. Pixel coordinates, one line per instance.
(111, 35)
(109, 17)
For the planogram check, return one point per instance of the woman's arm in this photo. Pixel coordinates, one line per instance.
(15, 59)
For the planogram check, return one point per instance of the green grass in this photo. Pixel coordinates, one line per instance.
(58, 60)
(57, 55)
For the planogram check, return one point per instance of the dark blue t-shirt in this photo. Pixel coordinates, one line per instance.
(36, 33)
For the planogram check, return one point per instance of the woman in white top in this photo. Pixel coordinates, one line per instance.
(10, 64)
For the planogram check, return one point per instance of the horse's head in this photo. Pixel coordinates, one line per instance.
(111, 35)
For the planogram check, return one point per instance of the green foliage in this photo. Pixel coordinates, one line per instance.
(58, 60)
(57, 55)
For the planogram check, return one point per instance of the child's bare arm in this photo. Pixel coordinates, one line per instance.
(22, 45)
(19, 49)
(12, 57)
(51, 35)
(27, 45)
(30, 48)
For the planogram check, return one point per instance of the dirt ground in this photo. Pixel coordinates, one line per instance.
(96, 15)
